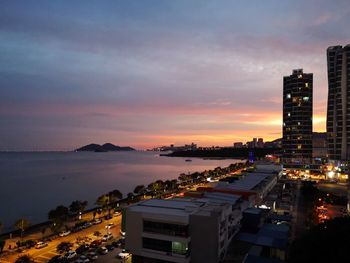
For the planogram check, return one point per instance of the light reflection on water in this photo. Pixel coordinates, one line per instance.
(33, 183)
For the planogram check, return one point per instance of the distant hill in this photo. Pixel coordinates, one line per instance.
(107, 147)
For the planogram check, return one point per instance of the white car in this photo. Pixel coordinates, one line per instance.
(92, 256)
(123, 254)
(117, 213)
(70, 254)
(64, 233)
(41, 245)
(97, 221)
(107, 237)
(103, 250)
(83, 259)
(109, 226)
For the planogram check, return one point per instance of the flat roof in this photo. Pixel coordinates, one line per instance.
(174, 207)
(172, 203)
(248, 182)
(222, 197)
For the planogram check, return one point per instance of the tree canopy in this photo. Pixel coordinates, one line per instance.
(25, 259)
(78, 206)
(59, 214)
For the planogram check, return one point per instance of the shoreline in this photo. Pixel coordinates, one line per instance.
(38, 226)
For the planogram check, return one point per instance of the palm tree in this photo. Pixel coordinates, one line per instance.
(22, 224)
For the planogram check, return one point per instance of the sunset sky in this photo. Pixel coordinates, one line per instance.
(151, 73)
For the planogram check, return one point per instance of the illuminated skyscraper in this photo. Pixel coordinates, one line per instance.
(297, 117)
(338, 108)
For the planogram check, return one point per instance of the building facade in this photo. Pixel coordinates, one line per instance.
(182, 230)
(297, 117)
(338, 107)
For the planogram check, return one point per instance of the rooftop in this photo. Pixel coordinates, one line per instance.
(174, 207)
(249, 182)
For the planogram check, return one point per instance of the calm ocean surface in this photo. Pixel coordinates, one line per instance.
(33, 183)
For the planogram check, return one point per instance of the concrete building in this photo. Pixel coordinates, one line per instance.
(297, 117)
(182, 230)
(338, 108)
(253, 187)
(238, 145)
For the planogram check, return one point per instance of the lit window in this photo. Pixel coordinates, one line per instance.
(288, 96)
(288, 114)
(298, 122)
(300, 76)
(284, 124)
(299, 146)
(306, 98)
(306, 85)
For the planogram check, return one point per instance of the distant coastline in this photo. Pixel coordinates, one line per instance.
(228, 153)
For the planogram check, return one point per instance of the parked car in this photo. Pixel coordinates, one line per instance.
(70, 254)
(124, 254)
(116, 243)
(95, 243)
(109, 226)
(82, 259)
(64, 233)
(83, 248)
(103, 250)
(107, 237)
(92, 256)
(41, 245)
(110, 247)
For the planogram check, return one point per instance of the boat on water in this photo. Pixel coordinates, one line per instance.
(188, 160)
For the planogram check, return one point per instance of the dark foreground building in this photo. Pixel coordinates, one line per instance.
(338, 108)
(297, 118)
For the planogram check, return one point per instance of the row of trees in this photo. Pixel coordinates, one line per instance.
(198, 177)
(110, 200)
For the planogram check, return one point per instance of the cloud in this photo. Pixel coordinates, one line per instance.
(159, 71)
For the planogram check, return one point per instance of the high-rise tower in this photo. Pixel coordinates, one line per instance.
(338, 108)
(297, 117)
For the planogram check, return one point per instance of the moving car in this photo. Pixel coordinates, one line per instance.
(41, 245)
(64, 233)
(97, 221)
(109, 226)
